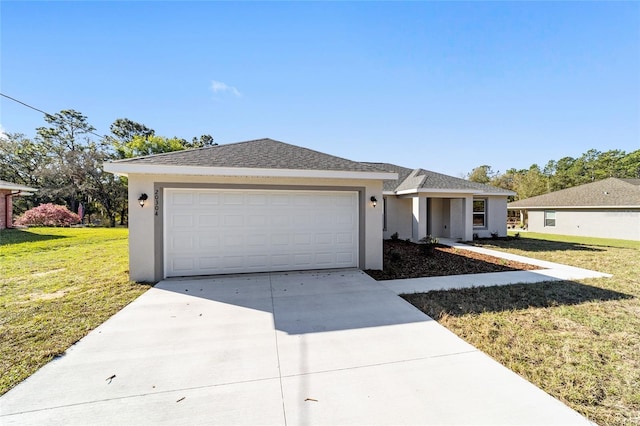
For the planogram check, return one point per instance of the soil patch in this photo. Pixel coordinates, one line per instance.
(403, 259)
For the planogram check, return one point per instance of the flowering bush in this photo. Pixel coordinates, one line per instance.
(48, 215)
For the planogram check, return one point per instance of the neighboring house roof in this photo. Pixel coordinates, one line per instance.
(15, 187)
(260, 154)
(421, 180)
(611, 192)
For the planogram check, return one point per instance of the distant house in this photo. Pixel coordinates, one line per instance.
(265, 205)
(9, 190)
(609, 208)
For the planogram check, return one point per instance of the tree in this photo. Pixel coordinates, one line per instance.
(202, 142)
(140, 146)
(630, 165)
(125, 129)
(66, 140)
(529, 183)
(20, 159)
(481, 174)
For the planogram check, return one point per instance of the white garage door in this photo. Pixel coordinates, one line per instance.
(225, 231)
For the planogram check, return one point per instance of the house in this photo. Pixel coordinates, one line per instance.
(8, 190)
(421, 202)
(608, 208)
(265, 205)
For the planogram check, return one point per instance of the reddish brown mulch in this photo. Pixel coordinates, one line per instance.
(403, 259)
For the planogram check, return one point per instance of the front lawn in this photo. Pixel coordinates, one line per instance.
(578, 341)
(56, 285)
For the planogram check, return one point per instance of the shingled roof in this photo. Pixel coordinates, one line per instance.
(611, 192)
(254, 154)
(425, 180)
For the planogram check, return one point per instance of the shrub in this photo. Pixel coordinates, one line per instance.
(394, 236)
(395, 256)
(428, 245)
(48, 215)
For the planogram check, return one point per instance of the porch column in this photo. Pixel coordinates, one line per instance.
(419, 207)
(467, 206)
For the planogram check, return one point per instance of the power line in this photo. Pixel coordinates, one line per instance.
(39, 110)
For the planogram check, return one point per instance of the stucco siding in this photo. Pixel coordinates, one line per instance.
(145, 227)
(399, 217)
(621, 224)
(496, 217)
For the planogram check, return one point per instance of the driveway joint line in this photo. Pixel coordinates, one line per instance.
(358, 367)
(275, 333)
(139, 395)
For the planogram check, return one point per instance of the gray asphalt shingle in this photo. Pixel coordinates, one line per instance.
(606, 192)
(421, 179)
(259, 154)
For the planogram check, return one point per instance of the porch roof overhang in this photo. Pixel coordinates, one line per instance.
(25, 190)
(440, 192)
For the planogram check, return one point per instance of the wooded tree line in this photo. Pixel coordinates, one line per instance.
(64, 161)
(564, 173)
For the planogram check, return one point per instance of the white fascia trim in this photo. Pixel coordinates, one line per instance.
(154, 169)
(496, 194)
(437, 191)
(573, 207)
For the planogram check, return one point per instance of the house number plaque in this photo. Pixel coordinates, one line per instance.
(156, 202)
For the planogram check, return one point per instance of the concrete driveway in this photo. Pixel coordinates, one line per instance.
(330, 347)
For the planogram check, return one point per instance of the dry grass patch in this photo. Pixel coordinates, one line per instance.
(578, 341)
(57, 285)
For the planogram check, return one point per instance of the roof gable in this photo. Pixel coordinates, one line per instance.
(610, 192)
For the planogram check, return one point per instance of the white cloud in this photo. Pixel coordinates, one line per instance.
(3, 133)
(220, 87)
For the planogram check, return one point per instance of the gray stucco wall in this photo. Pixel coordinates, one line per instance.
(623, 224)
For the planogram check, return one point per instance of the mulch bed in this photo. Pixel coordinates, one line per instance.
(403, 259)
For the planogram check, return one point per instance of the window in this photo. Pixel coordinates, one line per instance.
(479, 213)
(549, 218)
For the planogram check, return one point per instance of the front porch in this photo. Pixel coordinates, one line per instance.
(453, 216)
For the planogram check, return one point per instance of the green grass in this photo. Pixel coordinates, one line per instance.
(578, 341)
(56, 285)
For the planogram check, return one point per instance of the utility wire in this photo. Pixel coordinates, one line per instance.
(39, 110)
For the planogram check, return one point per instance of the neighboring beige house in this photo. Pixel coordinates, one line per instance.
(265, 205)
(608, 208)
(8, 190)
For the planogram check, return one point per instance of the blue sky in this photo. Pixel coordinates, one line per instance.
(439, 85)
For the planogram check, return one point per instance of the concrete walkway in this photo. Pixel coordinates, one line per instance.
(308, 348)
(551, 272)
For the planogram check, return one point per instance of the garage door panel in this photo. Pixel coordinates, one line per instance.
(230, 231)
(208, 221)
(208, 199)
(183, 198)
(209, 241)
(183, 221)
(183, 242)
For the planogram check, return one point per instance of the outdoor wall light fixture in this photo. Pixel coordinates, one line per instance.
(374, 201)
(142, 199)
